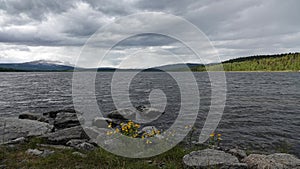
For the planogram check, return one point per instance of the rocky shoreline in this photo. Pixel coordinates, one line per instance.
(62, 129)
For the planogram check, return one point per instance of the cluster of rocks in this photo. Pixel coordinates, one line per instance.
(60, 127)
(140, 114)
(237, 159)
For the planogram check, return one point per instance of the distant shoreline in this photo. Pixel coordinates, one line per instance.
(246, 71)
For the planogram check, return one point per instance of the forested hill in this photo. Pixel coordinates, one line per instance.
(279, 62)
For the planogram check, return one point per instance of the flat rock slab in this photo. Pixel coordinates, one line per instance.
(273, 161)
(210, 158)
(66, 120)
(11, 128)
(63, 136)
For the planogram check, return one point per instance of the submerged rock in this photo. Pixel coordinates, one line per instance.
(141, 114)
(33, 116)
(146, 114)
(11, 128)
(52, 114)
(273, 161)
(123, 114)
(210, 158)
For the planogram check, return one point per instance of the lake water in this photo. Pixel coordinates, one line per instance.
(262, 109)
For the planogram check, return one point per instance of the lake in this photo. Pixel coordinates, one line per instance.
(262, 109)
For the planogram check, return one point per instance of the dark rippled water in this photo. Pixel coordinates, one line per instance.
(262, 109)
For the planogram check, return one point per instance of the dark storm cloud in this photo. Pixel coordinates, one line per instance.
(236, 28)
(147, 39)
(35, 9)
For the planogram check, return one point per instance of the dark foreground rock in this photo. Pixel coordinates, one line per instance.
(273, 161)
(65, 127)
(65, 135)
(210, 158)
(140, 114)
(11, 128)
(66, 120)
(33, 116)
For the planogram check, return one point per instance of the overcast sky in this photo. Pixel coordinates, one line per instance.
(57, 30)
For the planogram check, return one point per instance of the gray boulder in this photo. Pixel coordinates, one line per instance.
(76, 153)
(40, 153)
(34, 152)
(3, 166)
(85, 146)
(95, 133)
(210, 158)
(63, 136)
(148, 130)
(11, 128)
(101, 122)
(240, 154)
(16, 141)
(80, 144)
(66, 120)
(273, 161)
(75, 142)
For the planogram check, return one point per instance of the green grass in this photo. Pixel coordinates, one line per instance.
(63, 158)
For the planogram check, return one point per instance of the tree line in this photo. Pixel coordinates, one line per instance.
(278, 62)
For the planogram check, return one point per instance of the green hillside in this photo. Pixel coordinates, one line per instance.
(280, 62)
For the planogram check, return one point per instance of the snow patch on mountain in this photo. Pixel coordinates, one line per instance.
(49, 62)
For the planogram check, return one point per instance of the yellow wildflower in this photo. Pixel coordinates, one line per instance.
(109, 133)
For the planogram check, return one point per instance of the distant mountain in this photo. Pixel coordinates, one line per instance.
(40, 65)
(175, 67)
(279, 62)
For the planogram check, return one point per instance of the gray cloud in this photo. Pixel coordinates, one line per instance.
(236, 28)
